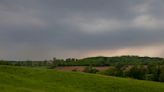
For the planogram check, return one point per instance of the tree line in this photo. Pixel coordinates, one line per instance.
(94, 61)
(152, 71)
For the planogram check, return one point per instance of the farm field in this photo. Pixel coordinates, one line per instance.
(80, 68)
(21, 79)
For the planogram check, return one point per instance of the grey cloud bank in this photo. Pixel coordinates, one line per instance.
(42, 29)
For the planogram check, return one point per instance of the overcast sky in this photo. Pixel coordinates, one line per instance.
(42, 29)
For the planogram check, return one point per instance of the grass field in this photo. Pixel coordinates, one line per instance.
(17, 79)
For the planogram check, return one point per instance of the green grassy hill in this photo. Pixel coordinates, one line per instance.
(16, 79)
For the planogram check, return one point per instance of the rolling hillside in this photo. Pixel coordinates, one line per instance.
(19, 79)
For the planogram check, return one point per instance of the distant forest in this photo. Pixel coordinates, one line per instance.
(94, 61)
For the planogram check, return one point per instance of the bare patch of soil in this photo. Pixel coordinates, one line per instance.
(79, 68)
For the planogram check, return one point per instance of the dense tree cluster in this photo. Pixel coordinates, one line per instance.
(151, 71)
(111, 61)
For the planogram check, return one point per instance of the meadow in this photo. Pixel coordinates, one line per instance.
(22, 79)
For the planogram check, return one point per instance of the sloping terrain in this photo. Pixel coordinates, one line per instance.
(19, 79)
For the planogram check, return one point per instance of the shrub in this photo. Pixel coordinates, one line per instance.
(161, 77)
(113, 72)
(137, 72)
(90, 69)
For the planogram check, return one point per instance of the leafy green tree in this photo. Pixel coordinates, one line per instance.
(137, 72)
(161, 77)
(154, 71)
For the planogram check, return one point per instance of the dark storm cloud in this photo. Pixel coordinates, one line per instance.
(40, 29)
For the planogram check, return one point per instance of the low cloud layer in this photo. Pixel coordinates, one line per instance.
(42, 29)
